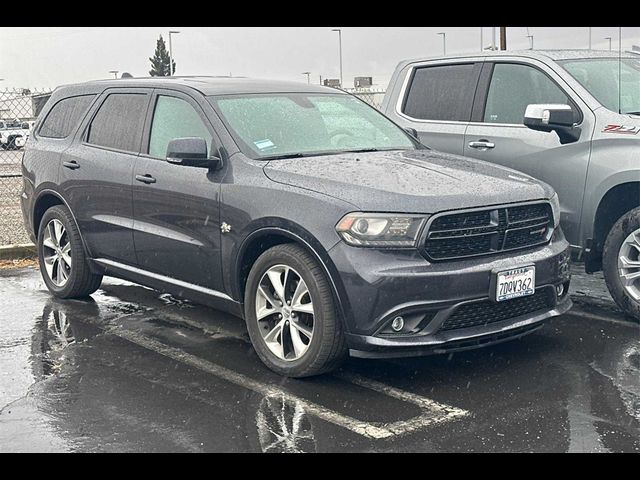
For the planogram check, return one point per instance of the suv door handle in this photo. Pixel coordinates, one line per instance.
(482, 144)
(145, 178)
(72, 165)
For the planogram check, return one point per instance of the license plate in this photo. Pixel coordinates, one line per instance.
(518, 282)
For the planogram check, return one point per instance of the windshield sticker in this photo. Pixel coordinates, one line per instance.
(264, 144)
(621, 129)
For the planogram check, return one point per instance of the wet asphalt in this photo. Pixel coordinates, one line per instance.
(139, 371)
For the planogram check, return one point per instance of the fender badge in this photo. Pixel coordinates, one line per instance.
(225, 227)
(625, 129)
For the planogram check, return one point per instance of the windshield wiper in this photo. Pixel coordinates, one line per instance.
(632, 113)
(363, 150)
(284, 156)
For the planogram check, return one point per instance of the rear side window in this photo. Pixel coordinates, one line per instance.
(65, 116)
(119, 122)
(441, 93)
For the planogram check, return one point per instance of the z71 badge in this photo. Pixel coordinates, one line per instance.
(621, 129)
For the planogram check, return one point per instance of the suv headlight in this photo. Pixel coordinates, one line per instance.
(380, 229)
(555, 208)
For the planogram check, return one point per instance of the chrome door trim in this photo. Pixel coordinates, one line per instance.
(156, 276)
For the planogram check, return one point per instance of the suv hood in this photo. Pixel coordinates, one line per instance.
(411, 181)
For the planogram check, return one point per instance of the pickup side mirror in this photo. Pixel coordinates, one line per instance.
(191, 152)
(553, 118)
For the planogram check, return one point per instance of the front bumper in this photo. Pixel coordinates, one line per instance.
(379, 285)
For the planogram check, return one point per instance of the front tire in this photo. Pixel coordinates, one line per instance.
(621, 263)
(291, 314)
(63, 262)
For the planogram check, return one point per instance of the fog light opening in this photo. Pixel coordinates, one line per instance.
(397, 324)
(560, 290)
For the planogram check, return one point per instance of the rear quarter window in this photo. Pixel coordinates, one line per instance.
(64, 117)
(443, 92)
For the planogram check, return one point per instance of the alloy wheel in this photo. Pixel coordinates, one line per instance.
(284, 311)
(629, 264)
(56, 253)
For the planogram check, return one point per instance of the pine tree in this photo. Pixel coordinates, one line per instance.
(160, 60)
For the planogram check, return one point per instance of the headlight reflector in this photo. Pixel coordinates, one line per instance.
(380, 229)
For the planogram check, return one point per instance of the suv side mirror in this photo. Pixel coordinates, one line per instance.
(191, 152)
(552, 118)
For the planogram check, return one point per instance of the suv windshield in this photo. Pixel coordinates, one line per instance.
(298, 124)
(600, 77)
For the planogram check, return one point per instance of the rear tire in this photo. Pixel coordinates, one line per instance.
(621, 263)
(63, 262)
(300, 335)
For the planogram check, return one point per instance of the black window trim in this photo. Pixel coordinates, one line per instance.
(151, 108)
(408, 80)
(103, 97)
(482, 92)
(73, 131)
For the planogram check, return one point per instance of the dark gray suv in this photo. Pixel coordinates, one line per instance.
(326, 226)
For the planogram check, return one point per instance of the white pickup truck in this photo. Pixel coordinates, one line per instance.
(13, 136)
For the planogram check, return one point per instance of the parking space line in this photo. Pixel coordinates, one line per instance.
(433, 412)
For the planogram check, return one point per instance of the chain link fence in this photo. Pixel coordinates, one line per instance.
(373, 96)
(18, 111)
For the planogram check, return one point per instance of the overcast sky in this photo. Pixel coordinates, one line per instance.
(46, 57)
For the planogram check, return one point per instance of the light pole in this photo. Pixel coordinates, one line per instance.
(444, 42)
(608, 38)
(339, 30)
(115, 73)
(171, 72)
(481, 39)
(307, 74)
(589, 38)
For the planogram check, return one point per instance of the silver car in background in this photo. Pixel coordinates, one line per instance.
(570, 118)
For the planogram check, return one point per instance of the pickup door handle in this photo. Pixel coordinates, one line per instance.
(145, 178)
(482, 144)
(72, 165)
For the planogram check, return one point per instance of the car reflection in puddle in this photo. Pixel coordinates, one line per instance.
(86, 389)
(55, 331)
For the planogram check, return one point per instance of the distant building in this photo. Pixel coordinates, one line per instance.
(331, 82)
(360, 82)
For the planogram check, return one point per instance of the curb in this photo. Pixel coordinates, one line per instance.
(17, 251)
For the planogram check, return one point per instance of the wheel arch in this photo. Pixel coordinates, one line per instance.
(45, 200)
(617, 201)
(266, 237)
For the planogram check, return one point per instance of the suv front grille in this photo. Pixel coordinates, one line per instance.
(485, 312)
(481, 232)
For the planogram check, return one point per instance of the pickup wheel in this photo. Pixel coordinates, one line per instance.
(621, 263)
(291, 314)
(63, 262)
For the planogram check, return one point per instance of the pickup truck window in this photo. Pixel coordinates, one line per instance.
(64, 116)
(513, 87)
(600, 77)
(441, 93)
